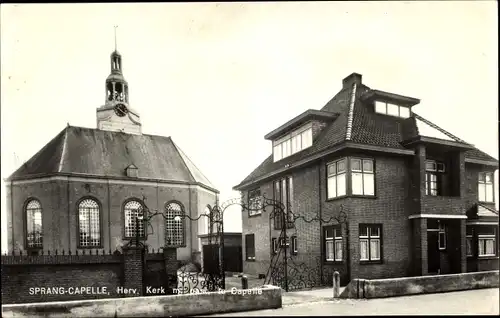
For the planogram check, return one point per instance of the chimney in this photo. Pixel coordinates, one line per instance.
(351, 79)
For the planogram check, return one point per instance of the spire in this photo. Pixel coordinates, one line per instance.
(115, 39)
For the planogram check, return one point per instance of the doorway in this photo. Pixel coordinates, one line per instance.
(433, 254)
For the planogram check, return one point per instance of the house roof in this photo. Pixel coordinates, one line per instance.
(93, 152)
(358, 124)
(485, 211)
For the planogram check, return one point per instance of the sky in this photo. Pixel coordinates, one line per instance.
(217, 77)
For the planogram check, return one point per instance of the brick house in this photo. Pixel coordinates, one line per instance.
(418, 199)
(84, 188)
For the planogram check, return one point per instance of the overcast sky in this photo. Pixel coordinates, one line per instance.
(218, 77)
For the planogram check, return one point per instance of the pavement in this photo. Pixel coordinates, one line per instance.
(314, 303)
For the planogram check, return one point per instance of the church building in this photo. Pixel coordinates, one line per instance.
(84, 189)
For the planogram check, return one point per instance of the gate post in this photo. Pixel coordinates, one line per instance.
(133, 271)
(170, 259)
(336, 284)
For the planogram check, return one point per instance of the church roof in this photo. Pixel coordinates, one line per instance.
(92, 152)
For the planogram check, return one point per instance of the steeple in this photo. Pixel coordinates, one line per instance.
(116, 115)
(116, 85)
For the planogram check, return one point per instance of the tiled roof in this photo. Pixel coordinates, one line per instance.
(94, 152)
(359, 124)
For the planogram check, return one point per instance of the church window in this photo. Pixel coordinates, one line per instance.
(34, 237)
(174, 224)
(89, 224)
(134, 222)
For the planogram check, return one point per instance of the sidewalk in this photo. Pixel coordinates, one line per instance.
(308, 296)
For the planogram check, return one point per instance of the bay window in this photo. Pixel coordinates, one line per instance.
(433, 177)
(485, 187)
(337, 178)
(360, 172)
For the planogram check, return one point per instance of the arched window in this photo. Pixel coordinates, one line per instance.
(89, 223)
(174, 224)
(133, 210)
(34, 234)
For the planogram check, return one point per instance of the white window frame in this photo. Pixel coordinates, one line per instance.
(363, 174)
(294, 249)
(254, 202)
(484, 197)
(442, 232)
(483, 239)
(280, 145)
(274, 246)
(385, 105)
(334, 239)
(368, 238)
(335, 175)
(89, 219)
(470, 239)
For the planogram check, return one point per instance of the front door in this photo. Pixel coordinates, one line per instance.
(433, 254)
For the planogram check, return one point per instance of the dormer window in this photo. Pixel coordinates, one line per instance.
(293, 142)
(392, 109)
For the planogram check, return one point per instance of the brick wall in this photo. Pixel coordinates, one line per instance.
(99, 274)
(59, 199)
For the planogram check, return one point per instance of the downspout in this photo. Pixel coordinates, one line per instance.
(69, 217)
(12, 213)
(320, 211)
(109, 217)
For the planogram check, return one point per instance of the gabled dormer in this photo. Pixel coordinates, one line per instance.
(389, 104)
(299, 133)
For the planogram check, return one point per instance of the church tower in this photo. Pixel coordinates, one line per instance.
(116, 114)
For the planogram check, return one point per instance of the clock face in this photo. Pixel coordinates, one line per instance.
(121, 110)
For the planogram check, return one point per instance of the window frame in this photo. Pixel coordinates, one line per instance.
(250, 197)
(277, 220)
(386, 106)
(336, 228)
(442, 231)
(436, 172)
(274, 246)
(124, 223)
(369, 239)
(469, 237)
(37, 247)
(486, 185)
(306, 129)
(183, 225)
(78, 225)
(293, 245)
(336, 175)
(247, 257)
(363, 174)
(487, 237)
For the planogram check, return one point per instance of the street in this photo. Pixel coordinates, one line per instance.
(471, 302)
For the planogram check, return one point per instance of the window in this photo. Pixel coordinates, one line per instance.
(254, 202)
(469, 241)
(392, 109)
(89, 223)
(134, 225)
(442, 236)
(363, 178)
(486, 239)
(485, 187)
(333, 243)
(336, 179)
(433, 175)
(274, 246)
(294, 248)
(250, 247)
(292, 143)
(174, 224)
(283, 193)
(370, 237)
(34, 234)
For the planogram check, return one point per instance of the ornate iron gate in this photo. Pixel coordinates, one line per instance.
(190, 278)
(296, 258)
